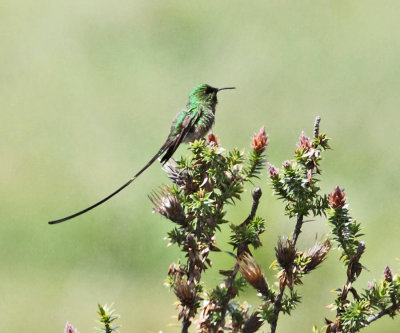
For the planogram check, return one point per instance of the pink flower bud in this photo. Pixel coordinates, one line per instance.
(304, 142)
(273, 171)
(260, 140)
(286, 164)
(69, 328)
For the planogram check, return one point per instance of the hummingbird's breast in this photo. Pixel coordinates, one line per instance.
(204, 124)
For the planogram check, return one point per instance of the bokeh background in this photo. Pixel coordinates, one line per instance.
(87, 93)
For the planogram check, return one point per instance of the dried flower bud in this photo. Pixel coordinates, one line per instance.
(253, 324)
(177, 175)
(176, 270)
(212, 139)
(260, 140)
(332, 327)
(69, 328)
(285, 252)
(252, 273)
(286, 164)
(168, 205)
(304, 142)
(387, 274)
(337, 199)
(317, 254)
(272, 171)
(185, 292)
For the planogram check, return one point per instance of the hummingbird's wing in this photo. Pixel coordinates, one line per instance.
(188, 124)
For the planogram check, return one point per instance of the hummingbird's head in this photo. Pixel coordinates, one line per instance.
(205, 94)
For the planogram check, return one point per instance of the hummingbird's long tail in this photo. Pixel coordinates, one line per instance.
(165, 146)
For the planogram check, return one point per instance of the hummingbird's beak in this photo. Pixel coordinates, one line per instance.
(225, 88)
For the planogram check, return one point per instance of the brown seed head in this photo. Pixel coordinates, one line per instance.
(167, 204)
(185, 292)
(337, 199)
(318, 254)
(260, 140)
(253, 324)
(285, 252)
(252, 273)
(177, 175)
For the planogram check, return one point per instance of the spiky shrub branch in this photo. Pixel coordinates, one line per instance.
(204, 184)
(218, 177)
(107, 318)
(381, 298)
(296, 183)
(209, 180)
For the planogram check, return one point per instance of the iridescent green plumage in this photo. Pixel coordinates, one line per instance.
(192, 123)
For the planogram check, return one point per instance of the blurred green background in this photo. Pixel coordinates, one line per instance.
(87, 93)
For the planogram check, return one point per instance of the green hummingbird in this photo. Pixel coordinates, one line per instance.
(192, 123)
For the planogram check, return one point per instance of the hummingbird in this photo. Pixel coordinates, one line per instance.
(190, 124)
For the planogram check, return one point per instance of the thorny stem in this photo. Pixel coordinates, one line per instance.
(229, 285)
(186, 320)
(352, 271)
(256, 194)
(185, 324)
(278, 298)
(341, 241)
(297, 228)
(386, 311)
(277, 308)
(296, 233)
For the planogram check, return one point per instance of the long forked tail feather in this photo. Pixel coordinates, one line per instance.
(165, 146)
